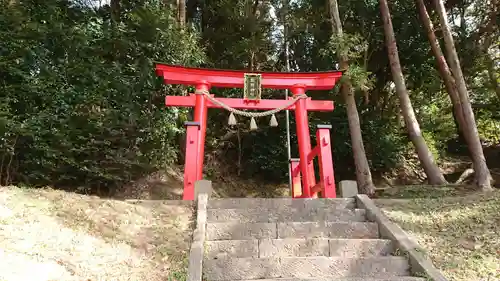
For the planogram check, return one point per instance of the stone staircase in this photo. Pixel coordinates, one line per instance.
(295, 240)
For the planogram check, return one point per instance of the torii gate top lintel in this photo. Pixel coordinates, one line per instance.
(174, 74)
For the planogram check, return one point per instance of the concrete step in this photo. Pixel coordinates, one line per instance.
(305, 267)
(285, 214)
(360, 247)
(297, 248)
(248, 231)
(399, 278)
(348, 230)
(232, 248)
(246, 203)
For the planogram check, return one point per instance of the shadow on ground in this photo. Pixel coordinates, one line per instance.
(168, 185)
(461, 234)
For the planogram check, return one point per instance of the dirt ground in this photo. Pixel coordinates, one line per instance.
(53, 235)
(168, 185)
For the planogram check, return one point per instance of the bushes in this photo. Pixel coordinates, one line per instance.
(81, 104)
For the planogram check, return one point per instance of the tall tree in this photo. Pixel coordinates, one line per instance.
(431, 169)
(442, 65)
(363, 174)
(252, 8)
(181, 13)
(482, 173)
(115, 10)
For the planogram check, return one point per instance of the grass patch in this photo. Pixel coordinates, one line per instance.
(66, 236)
(460, 234)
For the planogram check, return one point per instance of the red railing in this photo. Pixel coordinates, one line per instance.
(325, 188)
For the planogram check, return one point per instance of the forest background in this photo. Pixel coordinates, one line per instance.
(81, 107)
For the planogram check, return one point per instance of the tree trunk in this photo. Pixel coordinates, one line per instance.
(431, 169)
(181, 13)
(115, 10)
(251, 11)
(482, 173)
(363, 174)
(443, 68)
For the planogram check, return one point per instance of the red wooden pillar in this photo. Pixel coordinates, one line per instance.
(200, 115)
(295, 171)
(304, 140)
(190, 164)
(325, 160)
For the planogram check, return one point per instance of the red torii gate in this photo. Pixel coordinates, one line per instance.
(298, 83)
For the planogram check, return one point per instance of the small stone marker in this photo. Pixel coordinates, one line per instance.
(202, 187)
(348, 189)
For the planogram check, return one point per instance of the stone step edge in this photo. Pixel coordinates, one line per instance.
(276, 215)
(284, 207)
(389, 258)
(298, 247)
(274, 230)
(287, 208)
(242, 203)
(305, 267)
(302, 239)
(399, 278)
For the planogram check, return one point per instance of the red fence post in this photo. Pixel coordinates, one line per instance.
(200, 115)
(295, 171)
(326, 172)
(304, 139)
(190, 164)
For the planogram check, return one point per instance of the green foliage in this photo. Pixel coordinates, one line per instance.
(80, 103)
(438, 128)
(432, 144)
(81, 96)
(385, 145)
(359, 77)
(266, 159)
(351, 46)
(489, 128)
